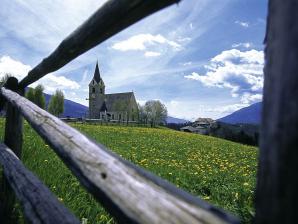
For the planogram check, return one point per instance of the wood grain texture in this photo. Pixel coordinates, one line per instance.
(111, 18)
(130, 194)
(13, 138)
(39, 204)
(276, 195)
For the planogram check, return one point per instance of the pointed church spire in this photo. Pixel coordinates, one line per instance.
(96, 73)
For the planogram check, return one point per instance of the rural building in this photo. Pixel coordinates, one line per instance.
(193, 130)
(200, 126)
(203, 122)
(115, 106)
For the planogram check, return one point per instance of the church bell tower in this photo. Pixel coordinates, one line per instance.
(96, 94)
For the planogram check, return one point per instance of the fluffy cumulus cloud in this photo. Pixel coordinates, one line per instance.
(241, 72)
(146, 42)
(13, 67)
(51, 82)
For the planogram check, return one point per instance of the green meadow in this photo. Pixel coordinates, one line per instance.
(219, 171)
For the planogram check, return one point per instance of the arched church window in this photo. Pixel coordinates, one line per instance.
(93, 90)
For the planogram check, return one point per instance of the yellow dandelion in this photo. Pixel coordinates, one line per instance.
(236, 195)
(143, 160)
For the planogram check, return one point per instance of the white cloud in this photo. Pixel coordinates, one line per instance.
(184, 39)
(188, 63)
(245, 45)
(247, 98)
(85, 77)
(242, 72)
(143, 41)
(152, 54)
(141, 102)
(222, 111)
(189, 110)
(80, 100)
(51, 82)
(13, 67)
(243, 24)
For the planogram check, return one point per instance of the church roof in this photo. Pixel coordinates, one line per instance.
(96, 74)
(118, 101)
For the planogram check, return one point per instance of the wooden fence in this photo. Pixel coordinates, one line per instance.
(129, 193)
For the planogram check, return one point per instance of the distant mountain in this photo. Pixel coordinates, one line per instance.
(246, 115)
(71, 109)
(174, 120)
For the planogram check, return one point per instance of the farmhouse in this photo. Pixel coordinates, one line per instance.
(115, 106)
(200, 126)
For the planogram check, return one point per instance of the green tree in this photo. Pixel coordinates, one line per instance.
(56, 104)
(30, 94)
(155, 112)
(39, 98)
(142, 115)
(36, 96)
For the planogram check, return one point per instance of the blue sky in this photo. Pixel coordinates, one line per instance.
(201, 58)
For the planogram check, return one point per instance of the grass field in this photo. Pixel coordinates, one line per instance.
(219, 171)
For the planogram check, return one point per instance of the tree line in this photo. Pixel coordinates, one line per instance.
(153, 112)
(36, 95)
(56, 104)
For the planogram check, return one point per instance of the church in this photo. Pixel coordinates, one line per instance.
(110, 107)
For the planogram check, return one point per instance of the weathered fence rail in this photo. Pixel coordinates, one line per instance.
(40, 205)
(128, 192)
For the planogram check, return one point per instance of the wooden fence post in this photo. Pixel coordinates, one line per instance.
(277, 185)
(13, 138)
